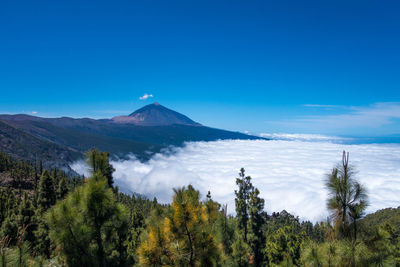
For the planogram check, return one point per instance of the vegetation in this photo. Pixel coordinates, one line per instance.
(48, 219)
(347, 198)
(27, 137)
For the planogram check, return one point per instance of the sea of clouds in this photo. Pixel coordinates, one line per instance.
(289, 174)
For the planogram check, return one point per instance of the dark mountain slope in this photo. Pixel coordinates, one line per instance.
(75, 135)
(156, 131)
(22, 145)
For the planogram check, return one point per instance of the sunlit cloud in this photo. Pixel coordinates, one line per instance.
(145, 96)
(289, 174)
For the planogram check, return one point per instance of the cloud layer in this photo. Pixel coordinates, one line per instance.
(289, 174)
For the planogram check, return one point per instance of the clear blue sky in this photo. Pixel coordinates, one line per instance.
(330, 67)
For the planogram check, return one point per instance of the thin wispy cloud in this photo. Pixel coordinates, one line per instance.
(322, 106)
(114, 111)
(377, 118)
(304, 137)
(146, 96)
(376, 115)
(289, 174)
(34, 112)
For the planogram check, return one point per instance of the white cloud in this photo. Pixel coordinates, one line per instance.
(289, 174)
(145, 96)
(80, 167)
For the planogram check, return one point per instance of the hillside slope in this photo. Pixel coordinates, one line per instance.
(161, 128)
(22, 145)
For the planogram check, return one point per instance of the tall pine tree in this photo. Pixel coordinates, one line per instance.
(242, 201)
(99, 162)
(47, 195)
(250, 218)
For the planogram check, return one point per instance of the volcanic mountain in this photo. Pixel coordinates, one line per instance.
(155, 115)
(143, 133)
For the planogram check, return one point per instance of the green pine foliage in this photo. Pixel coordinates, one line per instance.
(99, 163)
(347, 198)
(47, 195)
(50, 219)
(89, 224)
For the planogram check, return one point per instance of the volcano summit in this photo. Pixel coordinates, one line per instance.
(155, 115)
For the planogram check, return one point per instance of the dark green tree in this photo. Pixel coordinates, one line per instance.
(242, 201)
(25, 218)
(100, 162)
(255, 235)
(226, 226)
(137, 226)
(250, 219)
(62, 188)
(9, 229)
(47, 195)
(241, 254)
(42, 245)
(89, 226)
(283, 246)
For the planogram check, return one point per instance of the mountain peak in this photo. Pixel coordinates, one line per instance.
(155, 115)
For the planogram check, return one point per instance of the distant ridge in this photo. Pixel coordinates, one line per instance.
(155, 115)
(144, 132)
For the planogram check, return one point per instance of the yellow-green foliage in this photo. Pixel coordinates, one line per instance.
(183, 237)
(283, 245)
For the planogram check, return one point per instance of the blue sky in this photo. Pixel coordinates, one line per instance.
(330, 67)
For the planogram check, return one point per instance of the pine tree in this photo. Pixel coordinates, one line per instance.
(62, 188)
(89, 226)
(256, 236)
(283, 246)
(249, 214)
(25, 218)
(42, 245)
(183, 238)
(241, 254)
(137, 227)
(100, 162)
(9, 228)
(154, 250)
(347, 197)
(242, 201)
(47, 196)
(226, 225)
(188, 225)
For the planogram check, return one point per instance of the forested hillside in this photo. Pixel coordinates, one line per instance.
(23, 145)
(154, 127)
(48, 219)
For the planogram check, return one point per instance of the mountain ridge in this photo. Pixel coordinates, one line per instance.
(164, 127)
